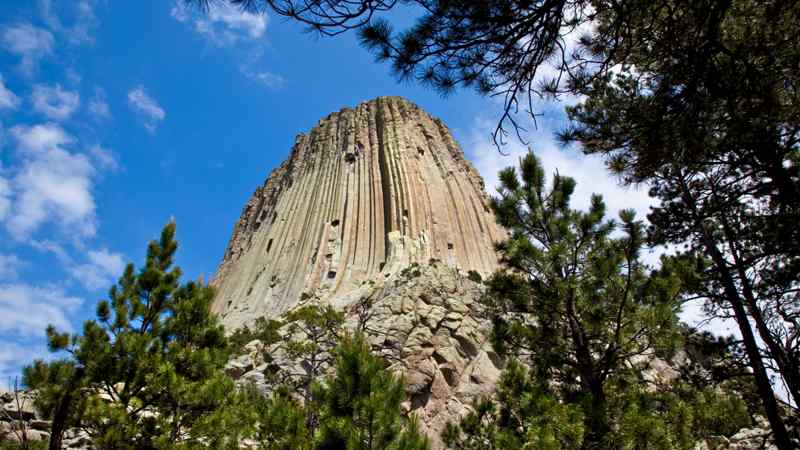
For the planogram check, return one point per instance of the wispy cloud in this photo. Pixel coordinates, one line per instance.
(224, 24)
(49, 16)
(85, 22)
(15, 355)
(28, 42)
(25, 310)
(81, 19)
(98, 105)
(147, 107)
(8, 100)
(265, 78)
(5, 198)
(54, 102)
(51, 185)
(589, 172)
(104, 158)
(100, 270)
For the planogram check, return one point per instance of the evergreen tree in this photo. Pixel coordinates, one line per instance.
(581, 308)
(361, 404)
(147, 373)
(524, 414)
(263, 330)
(311, 334)
(578, 300)
(707, 114)
(281, 420)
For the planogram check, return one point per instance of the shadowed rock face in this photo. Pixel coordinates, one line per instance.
(369, 191)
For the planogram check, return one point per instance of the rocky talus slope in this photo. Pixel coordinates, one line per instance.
(427, 323)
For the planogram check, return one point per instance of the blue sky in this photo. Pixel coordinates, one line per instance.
(117, 116)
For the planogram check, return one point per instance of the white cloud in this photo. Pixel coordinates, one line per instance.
(268, 79)
(30, 43)
(180, 11)
(81, 18)
(98, 105)
(54, 102)
(14, 356)
(49, 15)
(26, 310)
(52, 184)
(73, 76)
(56, 249)
(588, 171)
(39, 139)
(7, 98)
(104, 158)
(224, 24)
(85, 23)
(100, 271)
(9, 265)
(147, 107)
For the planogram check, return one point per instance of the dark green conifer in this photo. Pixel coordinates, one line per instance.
(147, 372)
(361, 404)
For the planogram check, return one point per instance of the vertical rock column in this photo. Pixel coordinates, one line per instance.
(369, 191)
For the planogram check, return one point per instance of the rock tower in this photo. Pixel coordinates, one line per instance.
(369, 191)
(377, 202)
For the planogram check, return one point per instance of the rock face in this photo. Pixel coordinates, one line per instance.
(428, 324)
(369, 191)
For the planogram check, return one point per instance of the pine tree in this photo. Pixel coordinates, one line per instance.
(707, 114)
(578, 302)
(310, 336)
(149, 367)
(280, 420)
(524, 414)
(361, 404)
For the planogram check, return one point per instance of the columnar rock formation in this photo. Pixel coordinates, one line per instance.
(369, 191)
(376, 202)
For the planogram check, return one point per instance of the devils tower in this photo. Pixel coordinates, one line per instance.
(377, 202)
(369, 191)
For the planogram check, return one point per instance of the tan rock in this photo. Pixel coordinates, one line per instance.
(368, 192)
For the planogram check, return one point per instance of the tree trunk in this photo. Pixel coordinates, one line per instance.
(598, 421)
(61, 413)
(787, 370)
(753, 353)
(763, 385)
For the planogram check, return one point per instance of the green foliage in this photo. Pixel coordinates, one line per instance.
(674, 417)
(412, 271)
(264, 330)
(49, 378)
(13, 444)
(475, 276)
(706, 113)
(583, 309)
(524, 414)
(150, 364)
(312, 332)
(361, 404)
